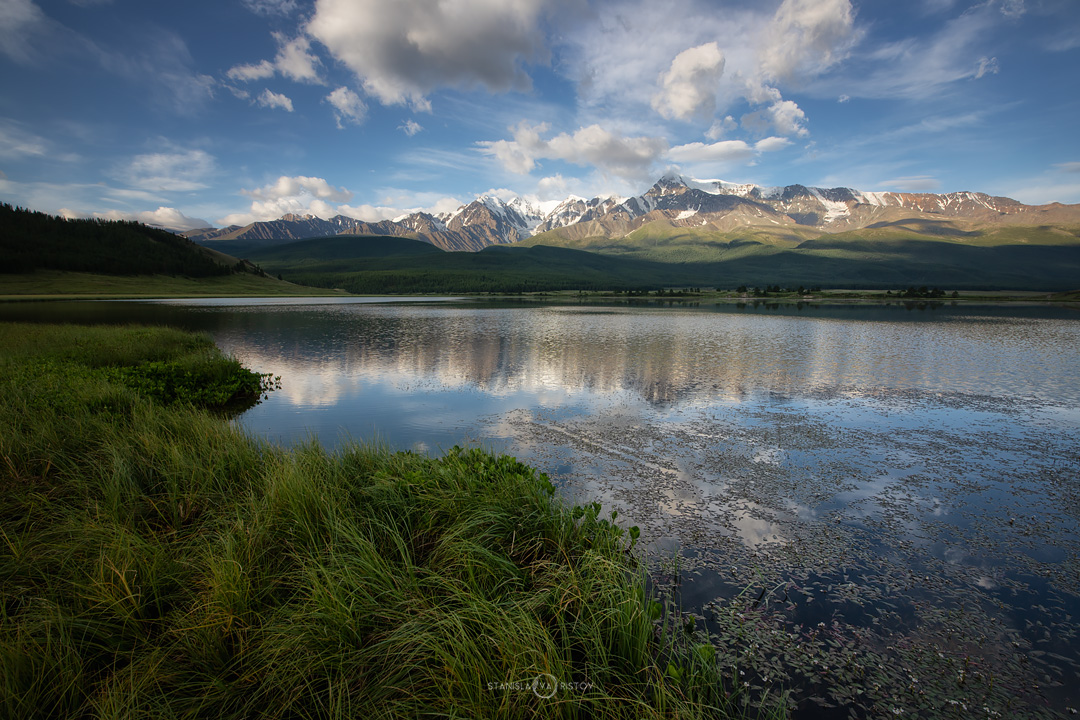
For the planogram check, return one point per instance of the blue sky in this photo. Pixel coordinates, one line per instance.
(213, 112)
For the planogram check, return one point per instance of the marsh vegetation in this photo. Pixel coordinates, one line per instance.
(156, 561)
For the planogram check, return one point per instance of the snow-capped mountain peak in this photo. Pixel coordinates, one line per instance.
(675, 199)
(493, 204)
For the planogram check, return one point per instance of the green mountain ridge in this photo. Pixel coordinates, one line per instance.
(899, 253)
(657, 257)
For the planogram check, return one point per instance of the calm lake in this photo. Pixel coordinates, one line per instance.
(880, 504)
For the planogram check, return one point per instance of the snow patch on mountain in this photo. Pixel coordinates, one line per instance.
(834, 210)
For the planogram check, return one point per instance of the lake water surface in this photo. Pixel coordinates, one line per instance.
(881, 502)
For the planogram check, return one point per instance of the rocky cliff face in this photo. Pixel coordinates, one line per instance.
(673, 199)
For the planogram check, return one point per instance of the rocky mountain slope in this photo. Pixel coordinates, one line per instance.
(794, 212)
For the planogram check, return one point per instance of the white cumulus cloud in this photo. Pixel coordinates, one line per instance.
(771, 144)
(410, 127)
(724, 152)
(257, 71)
(710, 61)
(369, 213)
(266, 210)
(164, 217)
(299, 195)
(271, 99)
(287, 187)
(728, 153)
(402, 50)
(688, 88)
(720, 128)
(612, 154)
(774, 113)
(294, 60)
(806, 37)
(553, 187)
(348, 107)
(787, 118)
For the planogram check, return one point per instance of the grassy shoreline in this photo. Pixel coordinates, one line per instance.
(57, 285)
(156, 561)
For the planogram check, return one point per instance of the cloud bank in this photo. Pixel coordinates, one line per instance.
(623, 157)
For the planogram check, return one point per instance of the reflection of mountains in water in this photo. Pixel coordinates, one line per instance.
(661, 357)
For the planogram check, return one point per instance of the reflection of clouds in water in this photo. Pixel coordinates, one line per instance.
(769, 456)
(753, 527)
(691, 359)
(676, 498)
(325, 383)
(313, 389)
(719, 475)
(961, 559)
(801, 511)
(956, 555)
(706, 424)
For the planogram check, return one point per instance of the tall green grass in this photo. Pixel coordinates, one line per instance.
(157, 562)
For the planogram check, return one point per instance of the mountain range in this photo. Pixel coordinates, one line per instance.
(786, 215)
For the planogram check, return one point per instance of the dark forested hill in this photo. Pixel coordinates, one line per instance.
(317, 251)
(354, 264)
(35, 241)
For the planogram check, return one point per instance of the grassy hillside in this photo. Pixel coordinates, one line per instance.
(156, 562)
(892, 254)
(45, 284)
(349, 246)
(46, 256)
(324, 254)
(662, 242)
(885, 258)
(239, 248)
(494, 269)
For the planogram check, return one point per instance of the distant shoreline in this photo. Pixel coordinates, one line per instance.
(59, 285)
